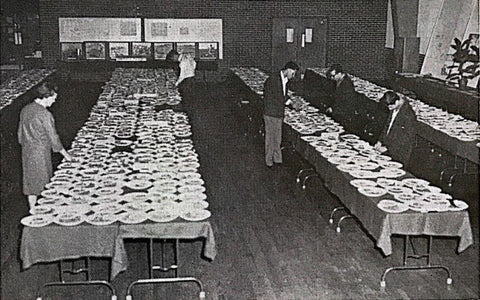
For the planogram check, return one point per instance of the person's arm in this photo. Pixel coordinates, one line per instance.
(66, 155)
(48, 123)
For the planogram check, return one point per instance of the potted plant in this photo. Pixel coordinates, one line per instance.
(465, 63)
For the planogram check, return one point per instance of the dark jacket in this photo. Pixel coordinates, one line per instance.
(273, 97)
(401, 138)
(345, 100)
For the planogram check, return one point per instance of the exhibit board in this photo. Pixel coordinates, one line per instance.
(99, 29)
(185, 30)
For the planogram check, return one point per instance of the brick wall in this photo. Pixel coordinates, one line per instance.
(355, 38)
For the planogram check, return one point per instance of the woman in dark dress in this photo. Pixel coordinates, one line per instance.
(38, 137)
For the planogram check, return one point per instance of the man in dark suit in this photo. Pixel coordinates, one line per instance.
(275, 99)
(398, 134)
(344, 107)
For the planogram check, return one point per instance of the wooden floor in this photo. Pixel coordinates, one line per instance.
(273, 238)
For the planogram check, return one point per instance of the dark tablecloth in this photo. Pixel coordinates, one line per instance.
(53, 243)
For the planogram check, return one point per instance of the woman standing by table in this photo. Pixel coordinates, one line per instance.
(38, 137)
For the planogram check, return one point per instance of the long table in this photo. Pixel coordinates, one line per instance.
(379, 224)
(435, 92)
(317, 84)
(54, 243)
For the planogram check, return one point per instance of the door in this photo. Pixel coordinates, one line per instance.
(302, 40)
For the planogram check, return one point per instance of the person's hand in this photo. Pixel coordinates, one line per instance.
(329, 110)
(379, 148)
(66, 155)
(288, 102)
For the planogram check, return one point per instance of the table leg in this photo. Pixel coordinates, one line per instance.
(406, 256)
(162, 268)
(75, 271)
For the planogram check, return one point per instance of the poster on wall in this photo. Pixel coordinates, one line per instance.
(184, 48)
(159, 29)
(95, 50)
(185, 31)
(71, 51)
(161, 50)
(142, 49)
(208, 50)
(99, 29)
(118, 50)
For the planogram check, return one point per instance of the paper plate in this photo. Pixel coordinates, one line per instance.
(132, 217)
(192, 196)
(412, 182)
(162, 197)
(461, 205)
(138, 184)
(196, 215)
(42, 209)
(391, 164)
(136, 197)
(392, 173)
(69, 219)
(37, 220)
(372, 191)
(162, 216)
(137, 206)
(101, 218)
(191, 189)
(391, 206)
(358, 183)
(192, 205)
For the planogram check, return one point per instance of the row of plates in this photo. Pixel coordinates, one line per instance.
(21, 83)
(107, 218)
(375, 174)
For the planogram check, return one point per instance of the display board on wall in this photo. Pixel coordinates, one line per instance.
(185, 30)
(99, 29)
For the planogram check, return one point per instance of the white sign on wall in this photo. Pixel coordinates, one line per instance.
(185, 30)
(99, 29)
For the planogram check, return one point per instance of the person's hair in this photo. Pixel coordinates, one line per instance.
(291, 65)
(335, 67)
(389, 97)
(171, 54)
(45, 90)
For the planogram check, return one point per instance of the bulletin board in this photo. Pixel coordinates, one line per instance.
(185, 30)
(99, 29)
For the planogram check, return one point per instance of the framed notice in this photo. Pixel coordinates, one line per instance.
(160, 50)
(208, 50)
(94, 50)
(99, 29)
(118, 50)
(183, 48)
(142, 49)
(71, 51)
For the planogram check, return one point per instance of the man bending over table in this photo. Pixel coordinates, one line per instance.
(398, 134)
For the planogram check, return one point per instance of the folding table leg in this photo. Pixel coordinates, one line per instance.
(308, 177)
(74, 271)
(406, 256)
(302, 171)
(163, 268)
